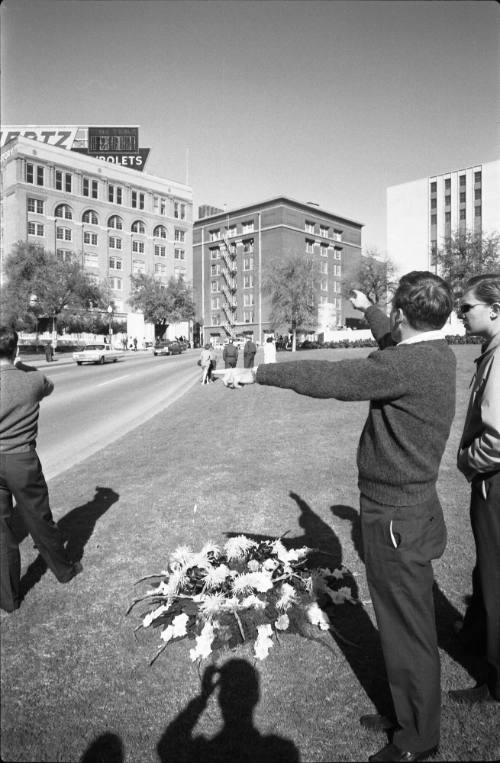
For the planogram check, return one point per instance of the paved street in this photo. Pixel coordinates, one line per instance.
(92, 406)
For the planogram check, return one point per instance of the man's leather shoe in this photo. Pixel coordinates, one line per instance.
(376, 722)
(392, 753)
(76, 568)
(472, 696)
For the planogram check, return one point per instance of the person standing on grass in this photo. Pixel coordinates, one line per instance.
(230, 355)
(21, 476)
(205, 362)
(249, 352)
(410, 383)
(479, 462)
(269, 350)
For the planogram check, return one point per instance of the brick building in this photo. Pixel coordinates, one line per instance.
(231, 250)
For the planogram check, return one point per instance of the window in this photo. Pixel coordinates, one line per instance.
(447, 184)
(324, 284)
(59, 181)
(138, 266)
(90, 238)
(180, 235)
(462, 214)
(67, 182)
(433, 187)
(247, 263)
(477, 194)
(337, 287)
(338, 253)
(309, 227)
(180, 210)
(160, 231)
(323, 300)
(39, 175)
(90, 188)
(90, 217)
(94, 189)
(248, 246)
(115, 222)
(248, 316)
(232, 231)
(138, 247)
(64, 255)
(115, 243)
(160, 251)
(116, 283)
(115, 263)
(434, 219)
(160, 268)
(477, 211)
(214, 235)
(247, 227)
(324, 267)
(433, 203)
(29, 172)
(248, 281)
(462, 180)
(324, 250)
(462, 197)
(447, 201)
(64, 234)
(179, 254)
(115, 194)
(337, 270)
(215, 253)
(36, 206)
(215, 269)
(137, 200)
(138, 227)
(477, 177)
(179, 272)
(248, 299)
(63, 210)
(91, 259)
(215, 303)
(35, 229)
(214, 286)
(447, 217)
(337, 234)
(323, 231)
(85, 187)
(309, 246)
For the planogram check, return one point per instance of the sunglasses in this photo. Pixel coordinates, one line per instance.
(465, 308)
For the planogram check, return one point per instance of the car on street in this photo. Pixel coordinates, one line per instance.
(167, 347)
(97, 353)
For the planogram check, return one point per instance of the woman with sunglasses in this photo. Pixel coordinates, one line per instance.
(479, 461)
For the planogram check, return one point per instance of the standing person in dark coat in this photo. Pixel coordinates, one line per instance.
(479, 461)
(249, 352)
(21, 475)
(230, 355)
(410, 383)
(49, 352)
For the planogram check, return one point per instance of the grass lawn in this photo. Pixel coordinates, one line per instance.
(76, 685)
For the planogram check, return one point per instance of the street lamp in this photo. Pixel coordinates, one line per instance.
(110, 316)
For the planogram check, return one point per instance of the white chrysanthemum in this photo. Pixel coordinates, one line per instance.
(252, 601)
(203, 642)
(148, 619)
(211, 548)
(263, 642)
(238, 548)
(216, 576)
(212, 604)
(280, 551)
(259, 581)
(179, 625)
(316, 616)
(182, 557)
(287, 598)
(176, 581)
(270, 564)
(167, 634)
(253, 565)
(231, 603)
(282, 623)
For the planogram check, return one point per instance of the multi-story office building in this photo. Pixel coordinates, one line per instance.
(116, 220)
(421, 214)
(231, 250)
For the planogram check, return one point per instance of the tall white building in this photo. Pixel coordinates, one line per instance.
(422, 213)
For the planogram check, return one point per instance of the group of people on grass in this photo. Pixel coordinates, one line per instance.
(410, 385)
(234, 378)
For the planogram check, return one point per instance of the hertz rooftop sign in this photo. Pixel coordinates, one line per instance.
(119, 145)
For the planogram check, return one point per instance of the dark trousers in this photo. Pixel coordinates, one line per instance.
(481, 629)
(21, 477)
(248, 360)
(399, 544)
(230, 362)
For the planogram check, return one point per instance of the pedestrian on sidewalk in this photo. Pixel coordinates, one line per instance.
(49, 352)
(410, 383)
(21, 475)
(479, 462)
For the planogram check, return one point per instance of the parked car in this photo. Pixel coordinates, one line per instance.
(97, 353)
(167, 347)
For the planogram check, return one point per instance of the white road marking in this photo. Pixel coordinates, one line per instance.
(112, 380)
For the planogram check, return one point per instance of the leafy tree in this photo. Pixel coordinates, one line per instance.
(466, 254)
(40, 285)
(162, 304)
(375, 277)
(292, 285)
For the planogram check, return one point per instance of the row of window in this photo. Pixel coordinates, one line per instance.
(324, 231)
(90, 217)
(462, 181)
(65, 181)
(218, 320)
(92, 239)
(462, 215)
(324, 248)
(462, 198)
(249, 227)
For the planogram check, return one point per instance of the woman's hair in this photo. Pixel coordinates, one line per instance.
(486, 287)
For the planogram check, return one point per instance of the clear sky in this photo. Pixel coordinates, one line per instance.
(328, 102)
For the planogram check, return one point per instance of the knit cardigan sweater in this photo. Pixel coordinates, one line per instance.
(411, 389)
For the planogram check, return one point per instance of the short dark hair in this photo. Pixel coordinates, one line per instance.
(486, 287)
(8, 342)
(425, 298)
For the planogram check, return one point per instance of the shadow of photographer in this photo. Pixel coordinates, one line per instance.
(238, 740)
(76, 527)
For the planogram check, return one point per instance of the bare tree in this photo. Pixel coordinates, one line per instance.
(466, 254)
(375, 277)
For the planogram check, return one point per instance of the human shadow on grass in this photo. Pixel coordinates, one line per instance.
(238, 741)
(446, 614)
(106, 748)
(353, 630)
(77, 527)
